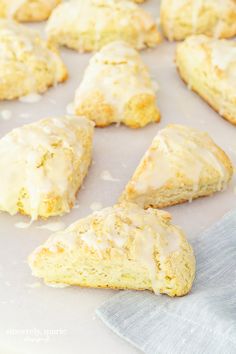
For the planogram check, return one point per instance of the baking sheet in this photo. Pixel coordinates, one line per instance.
(35, 318)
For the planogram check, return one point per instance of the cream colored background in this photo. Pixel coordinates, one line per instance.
(117, 149)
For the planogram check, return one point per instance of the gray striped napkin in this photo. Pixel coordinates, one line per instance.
(203, 322)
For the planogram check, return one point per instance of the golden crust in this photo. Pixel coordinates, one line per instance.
(121, 247)
(139, 111)
(95, 108)
(103, 21)
(181, 164)
(27, 10)
(27, 63)
(182, 18)
(117, 88)
(207, 66)
(42, 166)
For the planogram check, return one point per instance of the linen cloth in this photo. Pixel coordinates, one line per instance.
(202, 322)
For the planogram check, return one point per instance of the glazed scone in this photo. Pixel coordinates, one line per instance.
(208, 66)
(89, 25)
(181, 164)
(120, 247)
(42, 166)
(182, 18)
(27, 10)
(27, 63)
(117, 88)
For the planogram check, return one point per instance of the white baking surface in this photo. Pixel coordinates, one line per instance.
(37, 319)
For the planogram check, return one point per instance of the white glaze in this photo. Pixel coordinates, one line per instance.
(70, 108)
(223, 53)
(31, 98)
(53, 226)
(15, 5)
(95, 206)
(115, 232)
(23, 225)
(118, 74)
(222, 8)
(6, 114)
(106, 176)
(57, 285)
(22, 49)
(95, 15)
(22, 166)
(197, 6)
(173, 151)
(34, 285)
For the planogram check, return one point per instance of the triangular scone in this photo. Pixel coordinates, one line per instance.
(208, 66)
(117, 88)
(27, 63)
(214, 18)
(27, 10)
(89, 25)
(42, 166)
(120, 247)
(181, 164)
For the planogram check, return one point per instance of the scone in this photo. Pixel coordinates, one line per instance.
(181, 164)
(27, 10)
(117, 88)
(120, 247)
(42, 166)
(182, 18)
(208, 66)
(27, 63)
(89, 25)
